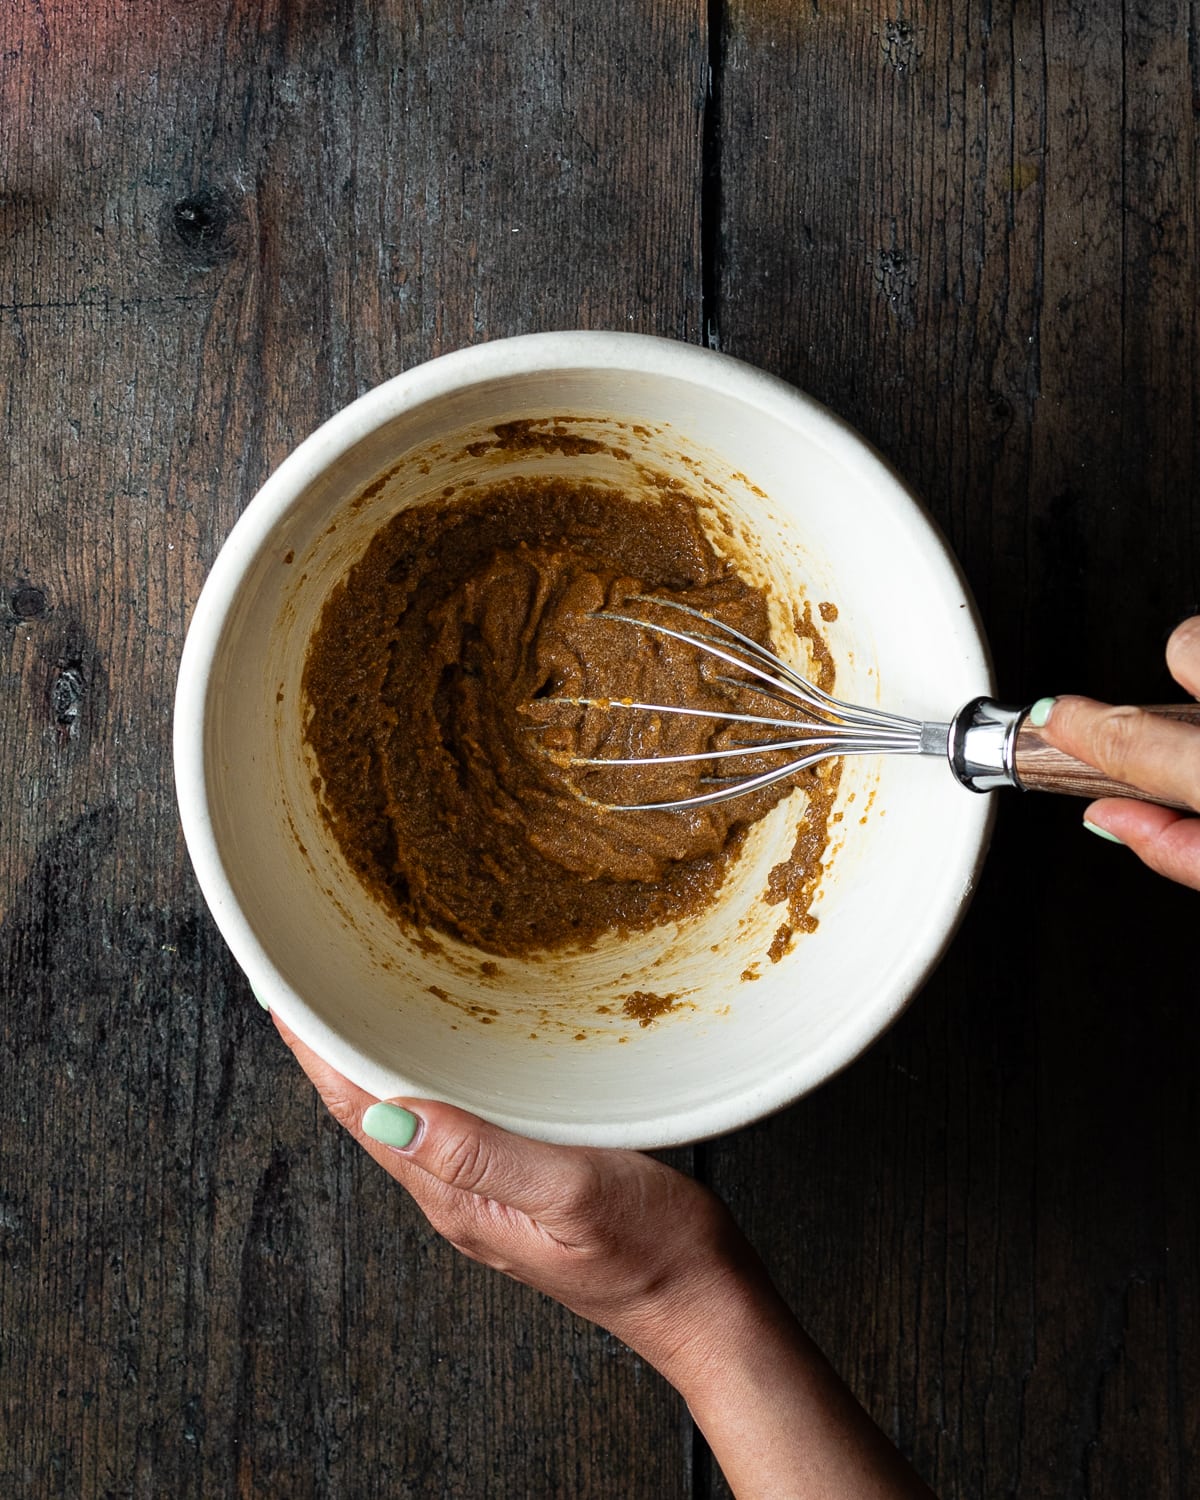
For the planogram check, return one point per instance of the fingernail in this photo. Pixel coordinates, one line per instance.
(1104, 833)
(260, 1000)
(390, 1125)
(1040, 711)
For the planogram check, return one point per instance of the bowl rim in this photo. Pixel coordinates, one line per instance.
(527, 355)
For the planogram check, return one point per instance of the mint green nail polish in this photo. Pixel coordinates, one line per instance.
(1040, 711)
(260, 1000)
(1104, 833)
(390, 1125)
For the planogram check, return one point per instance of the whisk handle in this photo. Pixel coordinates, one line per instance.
(1039, 767)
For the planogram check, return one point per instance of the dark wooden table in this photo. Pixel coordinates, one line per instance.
(971, 229)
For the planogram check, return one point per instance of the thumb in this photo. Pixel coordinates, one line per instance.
(468, 1155)
(426, 1146)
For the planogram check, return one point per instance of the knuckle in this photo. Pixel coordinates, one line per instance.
(446, 1217)
(1175, 853)
(463, 1223)
(582, 1200)
(1163, 863)
(1116, 737)
(463, 1161)
(342, 1107)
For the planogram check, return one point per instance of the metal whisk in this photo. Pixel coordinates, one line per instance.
(986, 744)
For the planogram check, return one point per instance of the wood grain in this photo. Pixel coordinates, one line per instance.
(218, 224)
(972, 231)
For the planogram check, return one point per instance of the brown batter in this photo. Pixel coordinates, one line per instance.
(442, 764)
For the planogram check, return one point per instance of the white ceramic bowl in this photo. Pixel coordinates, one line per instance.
(817, 515)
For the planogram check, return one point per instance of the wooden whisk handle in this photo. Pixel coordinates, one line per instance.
(1039, 767)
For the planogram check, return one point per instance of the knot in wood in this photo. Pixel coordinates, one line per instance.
(27, 602)
(202, 227)
(67, 694)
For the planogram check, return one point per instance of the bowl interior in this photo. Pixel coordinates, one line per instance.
(542, 1045)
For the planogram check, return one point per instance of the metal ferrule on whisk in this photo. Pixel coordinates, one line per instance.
(982, 744)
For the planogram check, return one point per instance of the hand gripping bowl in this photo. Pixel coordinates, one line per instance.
(542, 1046)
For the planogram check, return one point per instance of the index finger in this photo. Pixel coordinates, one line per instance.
(1160, 756)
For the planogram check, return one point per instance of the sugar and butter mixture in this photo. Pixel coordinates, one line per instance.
(445, 768)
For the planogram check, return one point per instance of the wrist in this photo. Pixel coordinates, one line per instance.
(728, 1327)
(698, 1325)
(779, 1420)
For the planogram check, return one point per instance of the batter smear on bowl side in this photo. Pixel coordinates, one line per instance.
(441, 763)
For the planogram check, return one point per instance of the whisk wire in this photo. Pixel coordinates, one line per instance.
(836, 728)
(770, 668)
(849, 745)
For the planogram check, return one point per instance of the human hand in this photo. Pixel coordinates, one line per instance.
(1158, 755)
(616, 1236)
(655, 1258)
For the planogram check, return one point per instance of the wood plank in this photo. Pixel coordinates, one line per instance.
(219, 224)
(971, 230)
